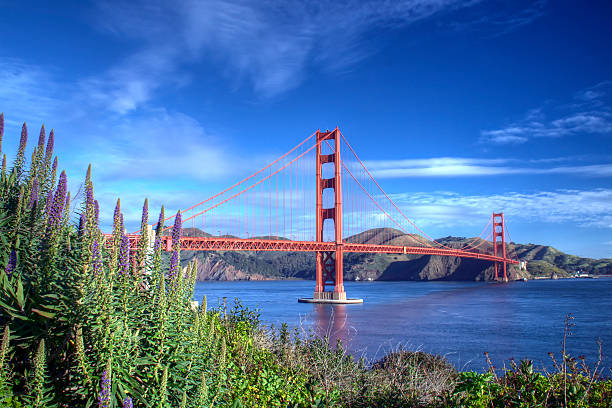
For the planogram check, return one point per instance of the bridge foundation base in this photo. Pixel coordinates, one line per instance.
(330, 298)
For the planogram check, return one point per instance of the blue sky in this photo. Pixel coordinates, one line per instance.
(459, 108)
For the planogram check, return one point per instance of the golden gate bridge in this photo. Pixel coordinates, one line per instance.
(344, 209)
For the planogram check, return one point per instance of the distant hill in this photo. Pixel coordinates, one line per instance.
(542, 261)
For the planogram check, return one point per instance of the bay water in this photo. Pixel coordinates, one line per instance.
(458, 320)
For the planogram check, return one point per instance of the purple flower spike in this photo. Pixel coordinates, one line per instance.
(127, 403)
(157, 243)
(67, 203)
(96, 258)
(34, 194)
(89, 196)
(24, 138)
(49, 151)
(48, 203)
(1, 129)
(82, 225)
(176, 231)
(104, 397)
(124, 256)
(41, 139)
(54, 168)
(145, 214)
(174, 267)
(12, 263)
(160, 222)
(117, 216)
(97, 212)
(60, 193)
(57, 208)
(89, 202)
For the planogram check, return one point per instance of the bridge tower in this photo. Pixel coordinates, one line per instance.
(329, 263)
(499, 246)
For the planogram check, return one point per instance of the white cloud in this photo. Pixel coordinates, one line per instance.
(471, 167)
(29, 91)
(586, 208)
(590, 113)
(132, 84)
(159, 145)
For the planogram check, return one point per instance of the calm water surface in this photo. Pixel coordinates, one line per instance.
(459, 320)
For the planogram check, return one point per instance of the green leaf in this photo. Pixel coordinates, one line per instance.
(19, 293)
(7, 307)
(48, 315)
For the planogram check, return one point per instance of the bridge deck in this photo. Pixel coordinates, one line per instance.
(238, 244)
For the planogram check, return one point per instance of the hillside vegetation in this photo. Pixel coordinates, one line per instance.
(542, 261)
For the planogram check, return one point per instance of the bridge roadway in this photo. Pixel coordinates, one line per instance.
(254, 244)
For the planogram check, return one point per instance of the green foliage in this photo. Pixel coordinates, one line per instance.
(523, 387)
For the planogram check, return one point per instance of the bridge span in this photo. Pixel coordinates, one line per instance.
(310, 200)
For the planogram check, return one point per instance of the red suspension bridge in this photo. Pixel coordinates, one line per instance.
(344, 209)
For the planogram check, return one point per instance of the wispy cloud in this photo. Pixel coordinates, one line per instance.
(472, 167)
(132, 83)
(270, 45)
(585, 208)
(589, 113)
(499, 18)
(28, 90)
(159, 145)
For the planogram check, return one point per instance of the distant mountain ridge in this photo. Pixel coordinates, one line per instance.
(542, 261)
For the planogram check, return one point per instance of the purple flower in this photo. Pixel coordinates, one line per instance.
(81, 225)
(24, 139)
(1, 129)
(41, 139)
(145, 214)
(96, 258)
(21, 150)
(97, 212)
(57, 208)
(176, 231)
(89, 203)
(117, 216)
(54, 168)
(34, 194)
(160, 223)
(174, 267)
(60, 194)
(104, 397)
(49, 151)
(67, 208)
(48, 202)
(127, 403)
(124, 256)
(89, 199)
(157, 243)
(144, 227)
(12, 263)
